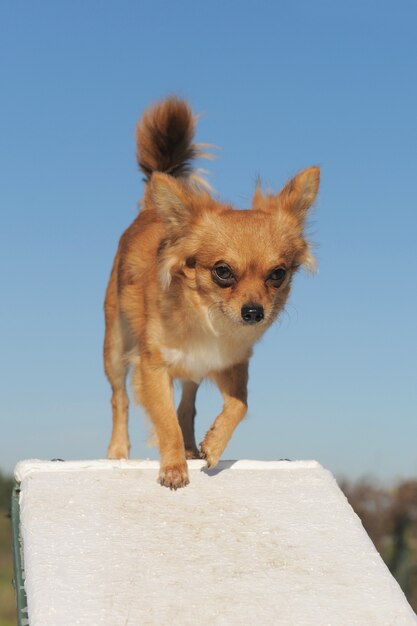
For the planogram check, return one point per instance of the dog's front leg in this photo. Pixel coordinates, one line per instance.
(232, 384)
(154, 389)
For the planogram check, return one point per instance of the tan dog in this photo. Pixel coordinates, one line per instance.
(195, 283)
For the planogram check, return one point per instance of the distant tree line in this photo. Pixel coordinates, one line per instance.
(6, 486)
(390, 518)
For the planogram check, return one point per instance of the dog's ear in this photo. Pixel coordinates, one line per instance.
(299, 193)
(177, 205)
(171, 199)
(290, 206)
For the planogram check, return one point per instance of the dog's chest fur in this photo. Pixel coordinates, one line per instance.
(205, 354)
(198, 360)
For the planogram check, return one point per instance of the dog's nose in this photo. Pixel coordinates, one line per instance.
(252, 313)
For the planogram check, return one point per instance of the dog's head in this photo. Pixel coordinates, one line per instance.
(239, 262)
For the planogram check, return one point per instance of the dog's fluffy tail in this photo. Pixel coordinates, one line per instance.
(164, 140)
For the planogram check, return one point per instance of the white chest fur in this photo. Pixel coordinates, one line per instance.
(197, 360)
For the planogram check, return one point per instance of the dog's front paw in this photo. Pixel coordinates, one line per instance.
(210, 451)
(174, 476)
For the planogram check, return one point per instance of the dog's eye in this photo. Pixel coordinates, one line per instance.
(223, 272)
(223, 275)
(277, 276)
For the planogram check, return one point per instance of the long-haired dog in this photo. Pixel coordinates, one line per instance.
(194, 285)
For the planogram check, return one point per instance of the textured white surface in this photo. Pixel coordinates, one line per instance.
(249, 543)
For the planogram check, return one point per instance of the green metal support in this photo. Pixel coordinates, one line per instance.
(19, 576)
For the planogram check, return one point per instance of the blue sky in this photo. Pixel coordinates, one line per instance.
(281, 86)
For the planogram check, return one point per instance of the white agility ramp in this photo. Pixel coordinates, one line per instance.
(262, 543)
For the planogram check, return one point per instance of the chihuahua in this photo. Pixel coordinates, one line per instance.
(194, 285)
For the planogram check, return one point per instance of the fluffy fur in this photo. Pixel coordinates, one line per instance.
(195, 283)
